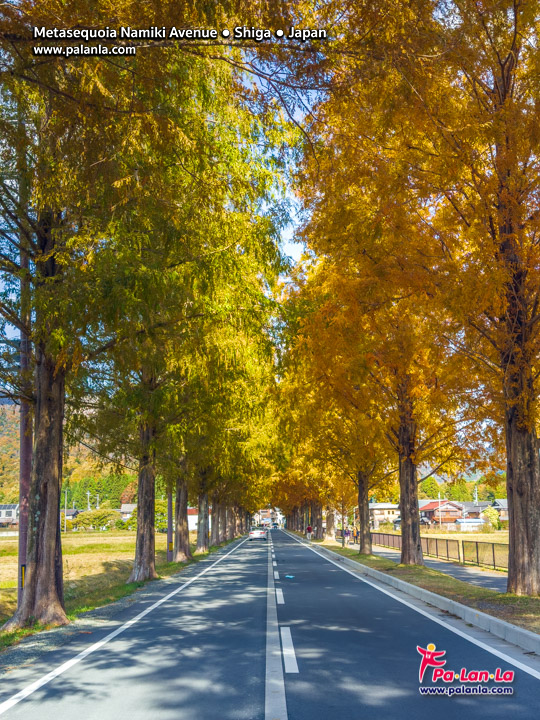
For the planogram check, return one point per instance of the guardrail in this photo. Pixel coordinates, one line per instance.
(471, 552)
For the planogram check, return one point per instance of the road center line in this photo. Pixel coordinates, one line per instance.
(276, 575)
(456, 631)
(275, 703)
(279, 596)
(274, 563)
(289, 657)
(25, 692)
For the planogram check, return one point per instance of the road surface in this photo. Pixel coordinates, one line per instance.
(243, 641)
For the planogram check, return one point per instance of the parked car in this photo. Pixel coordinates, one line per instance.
(258, 533)
(397, 522)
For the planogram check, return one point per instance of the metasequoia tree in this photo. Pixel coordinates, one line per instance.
(381, 360)
(446, 95)
(85, 121)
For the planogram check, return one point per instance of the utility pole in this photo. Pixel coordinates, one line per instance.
(65, 509)
(97, 503)
(440, 519)
(88, 498)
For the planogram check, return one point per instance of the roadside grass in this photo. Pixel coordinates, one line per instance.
(92, 579)
(517, 609)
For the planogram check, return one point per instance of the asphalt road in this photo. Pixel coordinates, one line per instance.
(244, 641)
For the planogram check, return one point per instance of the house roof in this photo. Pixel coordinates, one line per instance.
(469, 505)
(501, 502)
(128, 507)
(383, 506)
(434, 504)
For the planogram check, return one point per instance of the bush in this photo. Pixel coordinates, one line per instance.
(96, 519)
(491, 516)
(503, 524)
(69, 523)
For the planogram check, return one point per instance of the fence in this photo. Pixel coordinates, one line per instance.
(472, 552)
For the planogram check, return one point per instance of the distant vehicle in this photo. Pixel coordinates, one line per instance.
(258, 533)
(275, 525)
(397, 522)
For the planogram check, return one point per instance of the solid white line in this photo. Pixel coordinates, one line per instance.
(22, 694)
(275, 703)
(289, 657)
(279, 596)
(456, 631)
(276, 575)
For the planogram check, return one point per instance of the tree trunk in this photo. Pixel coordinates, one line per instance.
(237, 521)
(222, 523)
(330, 523)
(316, 515)
(523, 485)
(43, 595)
(182, 549)
(231, 523)
(202, 525)
(363, 514)
(214, 527)
(144, 567)
(411, 548)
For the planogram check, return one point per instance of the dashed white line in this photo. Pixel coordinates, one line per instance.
(274, 563)
(275, 703)
(276, 575)
(289, 657)
(279, 596)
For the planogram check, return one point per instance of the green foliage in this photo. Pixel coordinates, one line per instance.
(429, 488)
(492, 516)
(459, 491)
(96, 519)
(161, 515)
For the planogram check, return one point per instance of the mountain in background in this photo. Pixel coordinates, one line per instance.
(81, 474)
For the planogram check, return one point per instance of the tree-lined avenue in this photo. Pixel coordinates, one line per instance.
(205, 650)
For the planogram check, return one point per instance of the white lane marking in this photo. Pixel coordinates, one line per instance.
(274, 563)
(275, 703)
(25, 692)
(289, 657)
(279, 596)
(456, 631)
(276, 575)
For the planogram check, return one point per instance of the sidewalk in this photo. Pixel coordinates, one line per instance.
(468, 573)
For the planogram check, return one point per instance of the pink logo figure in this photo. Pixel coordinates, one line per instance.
(429, 658)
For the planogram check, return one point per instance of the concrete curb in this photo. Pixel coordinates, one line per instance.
(524, 639)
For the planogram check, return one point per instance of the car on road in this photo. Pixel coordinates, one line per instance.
(258, 533)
